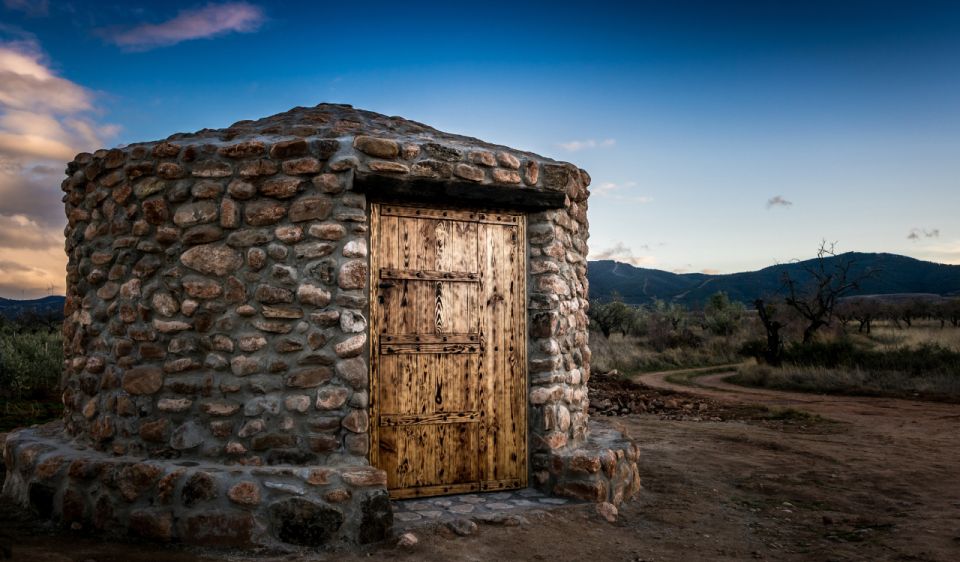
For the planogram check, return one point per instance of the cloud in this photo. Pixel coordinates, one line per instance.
(21, 232)
(710, 271)
(577, 145)
(21, 281)
(916, 233)
(615, 191)
(940, 252)
(33, 8)
(621, 253)
(210, 21)
(44, 121)
(778, 201)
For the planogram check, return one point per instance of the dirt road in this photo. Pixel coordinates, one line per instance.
(881, 482)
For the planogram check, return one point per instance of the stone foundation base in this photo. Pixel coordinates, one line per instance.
(194, 502)
(604, 469)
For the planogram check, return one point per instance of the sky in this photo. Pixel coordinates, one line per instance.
(720, 136)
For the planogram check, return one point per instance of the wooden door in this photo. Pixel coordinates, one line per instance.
(448, 350)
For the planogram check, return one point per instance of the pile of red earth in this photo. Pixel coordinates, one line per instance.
(612, 394)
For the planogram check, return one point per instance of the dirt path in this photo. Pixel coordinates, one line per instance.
(931, 426)
(880, 483)
(889, 470)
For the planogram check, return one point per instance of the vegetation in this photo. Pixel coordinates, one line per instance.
(664, 336)
(856, 381)
(906, 346)
(31, 360)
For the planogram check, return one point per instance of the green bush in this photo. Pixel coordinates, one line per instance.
(722, 316)
(30, 363)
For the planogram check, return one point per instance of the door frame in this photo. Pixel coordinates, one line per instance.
(374, 337)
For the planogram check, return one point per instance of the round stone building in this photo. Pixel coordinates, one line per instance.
(273, 329)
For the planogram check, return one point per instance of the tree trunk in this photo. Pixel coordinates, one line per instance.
(810, 330)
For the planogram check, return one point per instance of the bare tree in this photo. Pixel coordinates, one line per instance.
(774, 350)
(866, 312)
(828, 277)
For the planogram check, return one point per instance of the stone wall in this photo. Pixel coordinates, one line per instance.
(216, 302)
(218, 291)
(559, 355)
(569, 456)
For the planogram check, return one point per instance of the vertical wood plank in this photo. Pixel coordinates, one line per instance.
(375, 321)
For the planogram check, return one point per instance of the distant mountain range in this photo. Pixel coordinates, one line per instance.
(895, 275)
(10, 308)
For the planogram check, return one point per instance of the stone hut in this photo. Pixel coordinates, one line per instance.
(273, 328)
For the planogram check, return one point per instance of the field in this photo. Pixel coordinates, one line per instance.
(902, 349)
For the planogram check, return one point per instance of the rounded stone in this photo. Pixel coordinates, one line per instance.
(310, 207)
(352, 321)
(353, 275)
(355, 249)
(331, 397)
(215, 259)
(353, 371)
(313, 295)
(309, 377)
(145, 379)
(245, 493)
(303, 522)
(351, 347)
(378, 147)
(196, 213)
(262, 213)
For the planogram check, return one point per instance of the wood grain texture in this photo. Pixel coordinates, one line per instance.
(448, 353)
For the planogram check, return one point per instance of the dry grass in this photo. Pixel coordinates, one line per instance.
(850, 381)
(632, 354)
(923, 375)
(885, 336)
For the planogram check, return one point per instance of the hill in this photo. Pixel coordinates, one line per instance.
(52, 305)
(895, 275)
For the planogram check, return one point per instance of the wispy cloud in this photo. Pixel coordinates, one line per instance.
(778, 201)
(33, 8)
(940, 251)
(44, 121)
(22, 232)
(621, 253)
(210, 21)
(619, 191)
(577, 145)
(917, 233)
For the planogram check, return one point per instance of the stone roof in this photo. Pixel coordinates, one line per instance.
(329, 120)
(391, 156)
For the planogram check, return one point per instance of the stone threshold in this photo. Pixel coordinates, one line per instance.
(421, 512)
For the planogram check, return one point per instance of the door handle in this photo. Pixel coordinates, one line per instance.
(385, 285)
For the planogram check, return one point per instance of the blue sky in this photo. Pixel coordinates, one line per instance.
(721, 136)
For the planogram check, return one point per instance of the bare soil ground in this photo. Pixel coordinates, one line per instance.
(737, 479)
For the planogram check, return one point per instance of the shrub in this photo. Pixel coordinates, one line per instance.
(30, 363)
(721, 316)
(938, 386)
